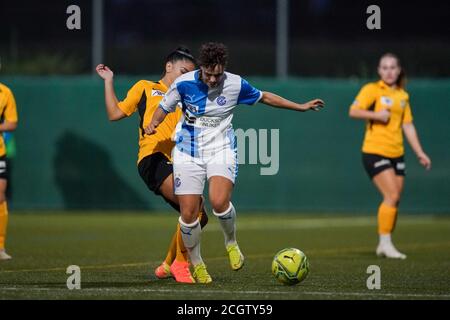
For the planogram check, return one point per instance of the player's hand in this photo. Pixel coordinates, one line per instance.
(424, 160)
(150, 129)
(383, 116)
(104, 72)
(315, 105)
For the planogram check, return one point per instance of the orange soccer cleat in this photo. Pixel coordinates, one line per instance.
(180, 271)
(163, 271)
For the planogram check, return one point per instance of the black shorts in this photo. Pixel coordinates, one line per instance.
(154, 169)
(374, 164)
(3, 168)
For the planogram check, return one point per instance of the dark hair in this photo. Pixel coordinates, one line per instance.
(213, 54)
(180, 53)
(401, 80)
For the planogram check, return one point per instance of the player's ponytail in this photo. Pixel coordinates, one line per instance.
(401, 80)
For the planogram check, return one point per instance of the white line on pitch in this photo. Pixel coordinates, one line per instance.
(249, 292)
(345, 250)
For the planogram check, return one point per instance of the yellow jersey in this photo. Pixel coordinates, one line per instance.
(385, 139)
(8, 111)
(144, 97)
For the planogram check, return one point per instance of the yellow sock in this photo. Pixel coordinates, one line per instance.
(387, 217)
(171, 254)
(182, 255)
(3, 223)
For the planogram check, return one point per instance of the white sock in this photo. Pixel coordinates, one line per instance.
(191, 234)
(227, 221)
(385, 239)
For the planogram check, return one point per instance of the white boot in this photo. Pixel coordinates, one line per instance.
(4, 255)
(386, 248)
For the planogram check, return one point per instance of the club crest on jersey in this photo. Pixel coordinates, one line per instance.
(221, 100)
(157, 93)
(386, 101)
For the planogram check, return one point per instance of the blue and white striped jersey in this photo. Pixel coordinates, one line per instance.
(207, 112)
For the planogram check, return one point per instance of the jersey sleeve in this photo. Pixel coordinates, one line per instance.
(130, 104)
(10, 113)
(365, 98)
(407, 114)
(248, 94)
(171, 99)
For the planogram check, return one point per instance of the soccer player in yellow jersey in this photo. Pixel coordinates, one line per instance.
(8, 122)
(154, 158)
(385, 107)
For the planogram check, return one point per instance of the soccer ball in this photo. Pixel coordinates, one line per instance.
(290, 266)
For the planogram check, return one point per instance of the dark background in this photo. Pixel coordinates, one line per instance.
(326, 38)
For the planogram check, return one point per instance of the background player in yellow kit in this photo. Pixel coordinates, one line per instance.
(154, 155)
(385, 106)
(8, 122)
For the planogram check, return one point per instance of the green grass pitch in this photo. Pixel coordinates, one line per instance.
(117, 253)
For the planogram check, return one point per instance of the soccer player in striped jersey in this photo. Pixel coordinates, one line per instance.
(206, 145)
(384, 105)
(154, 158)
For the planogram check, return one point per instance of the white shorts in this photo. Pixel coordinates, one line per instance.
(190, 173)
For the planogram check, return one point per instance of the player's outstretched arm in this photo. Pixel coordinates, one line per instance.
(158, 117)
(7, 126)
(276, 101)
(111, 101)
(411, 134)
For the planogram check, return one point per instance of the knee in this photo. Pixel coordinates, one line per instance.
(393, 198)
(189, 213)
(220, 204)
(188, 217)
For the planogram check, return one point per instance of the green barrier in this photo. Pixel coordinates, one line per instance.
(68, 155)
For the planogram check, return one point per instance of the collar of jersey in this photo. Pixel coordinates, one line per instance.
(383, 85)
(163, 85)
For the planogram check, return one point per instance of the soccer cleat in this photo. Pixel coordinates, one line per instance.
(236, 257)
(389, 251)
(4, 255)
(163, 271)
(201, 275)
(180, 271)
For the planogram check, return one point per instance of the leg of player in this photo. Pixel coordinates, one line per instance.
(176, 262)
(203, 219)
(3, 220)
(389, 186)
(220, 190)
(163, 270)
(191, 233)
